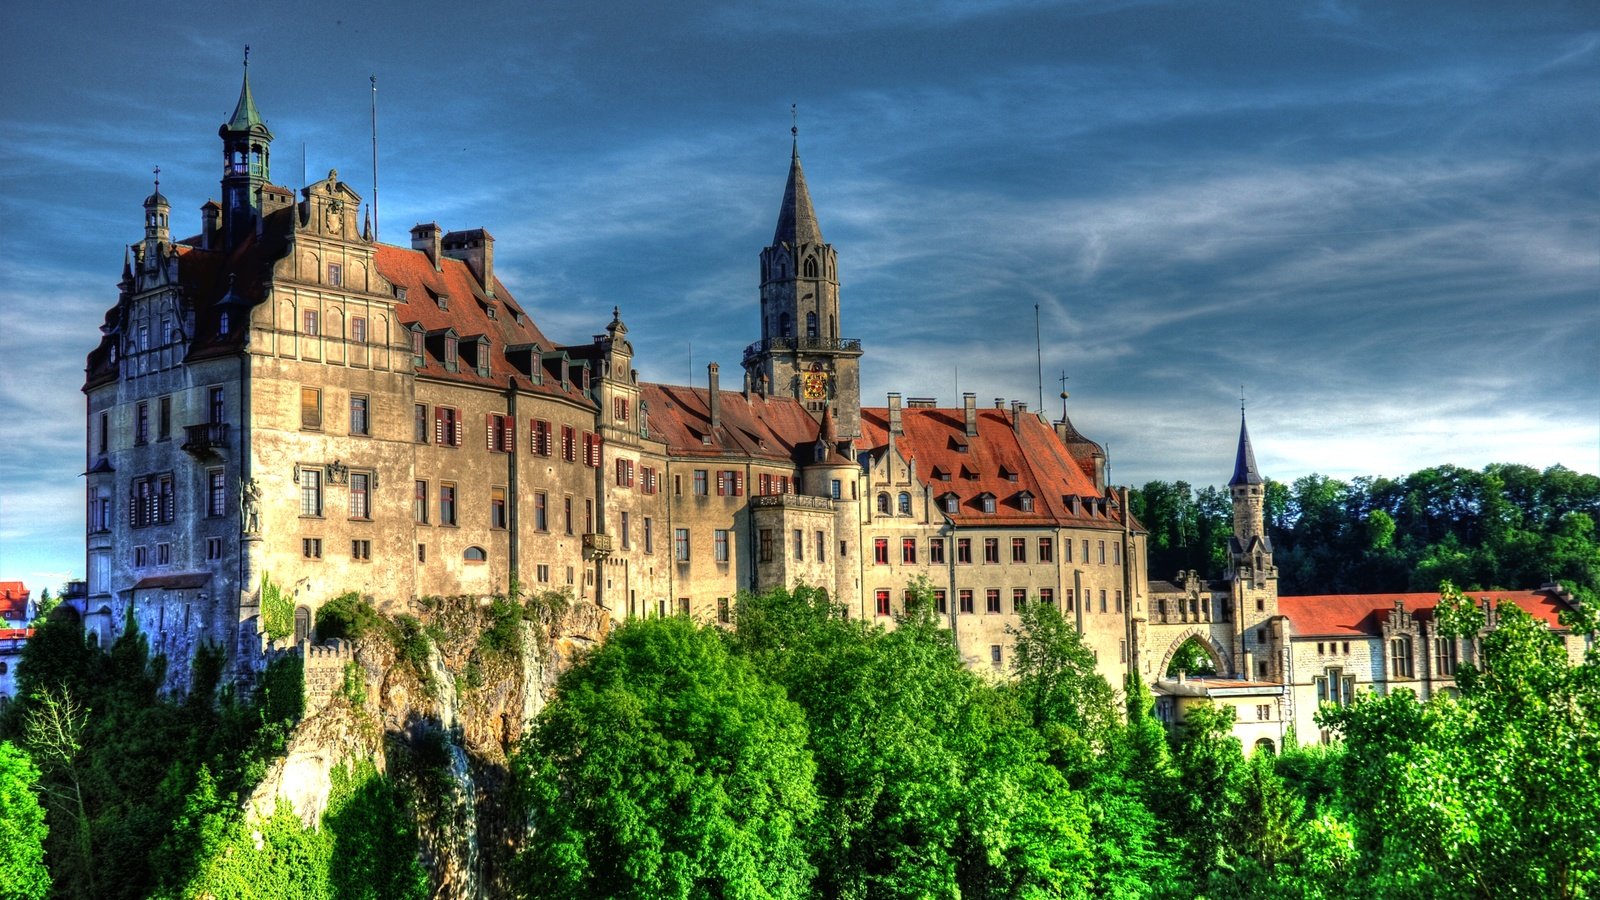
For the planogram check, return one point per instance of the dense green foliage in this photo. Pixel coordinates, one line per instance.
(277, 610)
(22, 828)
(668, 769)
(1506, 526)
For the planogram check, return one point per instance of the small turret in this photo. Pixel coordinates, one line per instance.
(246, 146)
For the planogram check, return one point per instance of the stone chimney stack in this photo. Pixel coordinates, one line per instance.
(747, 385)
(894, 414)
(714, 398)
(476, 249)
(426, 238)
(1018, 410)
(210, 224)
(969, 402)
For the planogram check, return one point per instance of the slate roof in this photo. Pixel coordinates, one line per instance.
(1358, 615)
(173, 582)
(998, 460)
(797, 221)
(1244, 464)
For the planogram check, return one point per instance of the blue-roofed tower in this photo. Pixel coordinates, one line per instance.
(1251, 570)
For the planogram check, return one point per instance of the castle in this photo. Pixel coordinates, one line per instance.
(282, 400)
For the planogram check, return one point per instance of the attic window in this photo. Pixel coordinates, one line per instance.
(940, 474)
(986, 501)
(490, 311)
(416, 349)
(451, 353)
(1007, 474)
(399, 292)
(443, 300)
(952, 504)
(517, 317)
(483, 358)
(1025, 501)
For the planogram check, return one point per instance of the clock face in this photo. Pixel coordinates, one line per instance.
(815, 385)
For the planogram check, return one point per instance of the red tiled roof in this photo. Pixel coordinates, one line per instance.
(1362, 614)
(13, 600)
(15, 633)
(776, 428)
(1031, 452)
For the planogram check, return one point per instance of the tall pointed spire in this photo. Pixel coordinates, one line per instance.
(1244, 466)
(245, 116)
(797, 221)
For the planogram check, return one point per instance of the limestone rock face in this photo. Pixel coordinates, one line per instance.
(303, 776)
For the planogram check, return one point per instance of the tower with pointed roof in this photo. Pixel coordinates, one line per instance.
(246, 149)
(802, 352)
(1252, 574)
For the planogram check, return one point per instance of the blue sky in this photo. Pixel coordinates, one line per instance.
(1382, 219)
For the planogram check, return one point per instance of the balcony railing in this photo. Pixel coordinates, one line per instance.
(596, 546)
(839, 345)
(792, 501)
(206, 438)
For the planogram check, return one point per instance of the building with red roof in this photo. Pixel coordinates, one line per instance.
(16, 614)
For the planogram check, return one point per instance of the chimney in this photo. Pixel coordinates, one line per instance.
(969, 402)
(426, 238)
(999, 403)
(714, 398)
(210, 224)
(747, 385)
(1018, 410)
(894, 414)
(476, 249)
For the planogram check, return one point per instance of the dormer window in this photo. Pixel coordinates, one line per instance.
(222, 324)
(416, 347)
(400, 293)
(952, 504)
(483, 358)
(452, 353)
(819, 451)
(443, 300)
(490, 312)
(1025, 501)
(986, 502)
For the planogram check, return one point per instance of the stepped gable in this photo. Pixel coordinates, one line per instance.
(1042, 466)
(775, 428)
(1339, 615)
(466, 311)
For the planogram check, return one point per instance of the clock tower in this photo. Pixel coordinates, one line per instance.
(801, 353)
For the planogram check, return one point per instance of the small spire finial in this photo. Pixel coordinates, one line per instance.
(247, 56)
(616, 313)
(1241, 401)
(158, 179)
(1063, 380)
(794, 130)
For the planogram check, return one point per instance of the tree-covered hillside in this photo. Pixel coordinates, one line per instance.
(1507, 526)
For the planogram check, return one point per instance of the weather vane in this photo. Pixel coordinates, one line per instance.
(247, 56)
(1241, 399)
(1063, 380)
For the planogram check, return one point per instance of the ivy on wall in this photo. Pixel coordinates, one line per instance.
(277, 610)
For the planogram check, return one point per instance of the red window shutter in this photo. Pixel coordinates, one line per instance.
(510, 427)
(488, 428)
(738, 484)
(455, 426)
(722, 483)
(438, 425)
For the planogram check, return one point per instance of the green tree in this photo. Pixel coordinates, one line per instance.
(666, 768)
(1057, 684)
(22, 829)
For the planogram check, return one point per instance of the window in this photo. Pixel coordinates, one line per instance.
(650, 479)
(1102, 601)
(964, 598)
(996, 656)
(987, 500)
(936, 550)
(683, 606)
(799, 545)
(1400, 657)
(905, 504)
(882, 601)
(216, 493)
(991, 600)
(141, 557)
(105, 432)
(311, 548)
(701, 485)
(541, 511)
(1116, 553)
(214, 548)
(627, 538)
(822, 547)
(141, 424)
(730, 483)
(163, 554)
(883, 504)
(360, 495)
(539, 436)
(569, 443)
(566, 513)
(500, 433)
(908, 551)
(419, 503)
(649, 536)
(1119, 601)
(1263, 712)
(310, 491)
(880, 551)
(358, 414)
(720, 545)
(309, 323)
(991, 551)
(964, 551)
(417, 358)
(591, 450)
(625, 473)
(1019, 550)
(358, 329)
(833, 488)
(941, 601)
(1072, 600)
(447, 504)
(335, 274)
(446, 426)
(680, 544)
(1047, 550)
(1102, 553)
(475, 554)
(1085, 552)
(619, 409)
(588, 515)
(724, 612)
(1335, 687)
(1444, 655)
(452, 353)
(153, 501)
(164, 419)
(1025, 501)
(420, 424)
(764, 543)
(952, 504)
(310, 408)
(1047, 596)
(222, 324)
(497, 507)
(541, 573)
(422, 553)
(1019, 599)
(361, 549)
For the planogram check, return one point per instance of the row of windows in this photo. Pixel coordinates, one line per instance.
(992, 600)
(217, 409)
(1044, 552)
(767, 541)
(163, 555)
(951, 503)
(311, 320)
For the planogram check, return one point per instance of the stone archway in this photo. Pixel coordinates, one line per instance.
(1218, 654)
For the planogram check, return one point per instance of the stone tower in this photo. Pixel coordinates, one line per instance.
(246, 146)
(801, 353)
(1251, 571)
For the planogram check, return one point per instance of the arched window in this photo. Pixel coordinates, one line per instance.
(302, 624)
(905, 504)
(1265, 745)
(811, 325)
(475, 554)
(1400, 657)
(811, 267)
(3, 668)
(883, 504)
